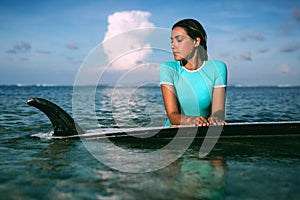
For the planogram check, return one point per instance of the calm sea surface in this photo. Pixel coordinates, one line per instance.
(261, 168)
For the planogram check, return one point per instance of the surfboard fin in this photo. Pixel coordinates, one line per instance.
(63, 124)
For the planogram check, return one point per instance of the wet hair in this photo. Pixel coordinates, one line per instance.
(195, 30)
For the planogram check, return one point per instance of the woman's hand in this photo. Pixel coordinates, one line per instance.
(216, 121)
(196, 121)
(202, 121)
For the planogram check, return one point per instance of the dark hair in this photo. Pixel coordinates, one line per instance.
(195, 30)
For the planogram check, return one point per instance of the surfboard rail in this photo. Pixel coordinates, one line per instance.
(64, 127)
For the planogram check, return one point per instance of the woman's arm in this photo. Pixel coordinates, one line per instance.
(218, 106)
(173, 110)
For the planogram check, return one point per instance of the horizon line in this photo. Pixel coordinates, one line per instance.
(151, 85)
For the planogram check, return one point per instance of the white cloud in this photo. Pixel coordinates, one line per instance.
(289, 48)
(246, 56)
(126, 49)
(120, 22)
(284, 68)
(22, 47)
(255, 36)
(296, 14)
(72, 46)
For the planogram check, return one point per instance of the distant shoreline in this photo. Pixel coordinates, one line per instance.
(145, 86)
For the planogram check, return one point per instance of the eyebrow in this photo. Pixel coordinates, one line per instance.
(177, 36)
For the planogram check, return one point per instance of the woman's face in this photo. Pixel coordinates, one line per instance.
(181, 44)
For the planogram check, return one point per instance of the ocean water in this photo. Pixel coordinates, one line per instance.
(253, 168)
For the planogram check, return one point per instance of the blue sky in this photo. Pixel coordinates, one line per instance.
(45, 42)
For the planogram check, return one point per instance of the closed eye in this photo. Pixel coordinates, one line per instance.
(179, 38)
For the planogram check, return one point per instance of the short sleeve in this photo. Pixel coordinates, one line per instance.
(166, 74)
(221, 76)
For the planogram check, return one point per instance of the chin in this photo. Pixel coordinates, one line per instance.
(177, 58)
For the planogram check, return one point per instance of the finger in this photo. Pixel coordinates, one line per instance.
(203, 124)
(222, 122)
(203, 119)
(212, 121)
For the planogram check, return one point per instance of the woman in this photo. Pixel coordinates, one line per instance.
(193, 88)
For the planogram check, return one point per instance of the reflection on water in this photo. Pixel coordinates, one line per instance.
(201, 179)
(130, 107)
(65, 169)
(187, 177)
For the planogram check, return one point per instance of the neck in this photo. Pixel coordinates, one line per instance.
(194, 63)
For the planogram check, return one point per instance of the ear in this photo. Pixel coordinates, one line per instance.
(197, 41)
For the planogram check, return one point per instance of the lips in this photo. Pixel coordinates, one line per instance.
(177, 56)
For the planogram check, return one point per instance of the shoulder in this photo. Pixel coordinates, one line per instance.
(171, 67)
(168, 72)
(171, 64)
(217, 64)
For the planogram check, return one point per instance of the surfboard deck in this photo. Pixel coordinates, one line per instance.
(65, 127)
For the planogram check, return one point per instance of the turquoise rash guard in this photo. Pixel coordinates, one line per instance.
(194, 88)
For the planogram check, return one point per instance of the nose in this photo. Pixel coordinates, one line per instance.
(173, 46)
